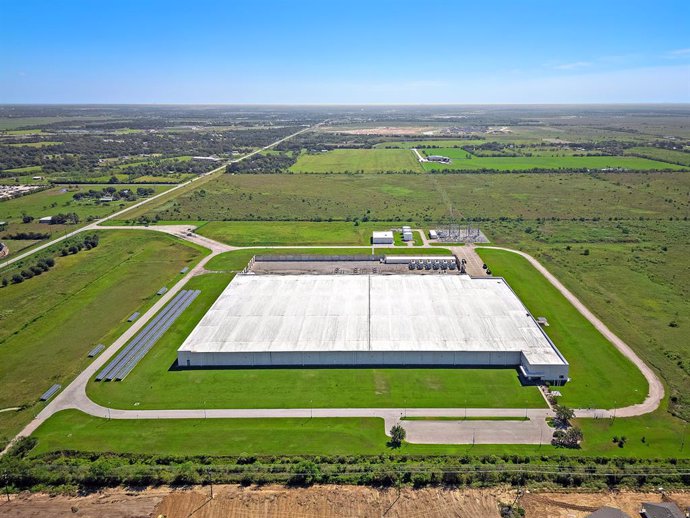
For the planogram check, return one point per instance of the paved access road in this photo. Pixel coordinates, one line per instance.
(656, 388)
(532, 431)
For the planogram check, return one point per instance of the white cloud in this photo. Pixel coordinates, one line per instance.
(678, 53)
(573, 66)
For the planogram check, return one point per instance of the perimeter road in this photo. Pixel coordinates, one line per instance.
(533, 431)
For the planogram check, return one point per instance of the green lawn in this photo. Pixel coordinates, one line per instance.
(601, 377)
(461, 162)
(302, 233)
(49, 323)
(635, 279)
(153, 385)
(358, 160)
(73, 430)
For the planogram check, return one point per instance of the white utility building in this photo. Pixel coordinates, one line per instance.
(382, 238)
(358, 320)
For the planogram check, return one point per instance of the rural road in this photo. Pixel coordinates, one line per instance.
(419, 156)
(96, 223)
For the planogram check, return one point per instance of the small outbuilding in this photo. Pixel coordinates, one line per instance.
(382, 238)
(46, 219)
(438, 158)
(433, 234)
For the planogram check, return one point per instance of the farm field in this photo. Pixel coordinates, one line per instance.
(460, 161)
(656, 153)
(49, 323)
(357, 160)
(420, 198)
(600, 376)
(445, 143)
(153, 384)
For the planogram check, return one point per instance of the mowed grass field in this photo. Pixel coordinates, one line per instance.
(73, 430)
(155, 383)
(49, 323)
(357, 160)
(635, 278)
(601, 377)
(301, 233)
(462, 160)
(421, 198)
(261, 233)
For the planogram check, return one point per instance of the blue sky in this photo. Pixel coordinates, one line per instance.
(351, 52)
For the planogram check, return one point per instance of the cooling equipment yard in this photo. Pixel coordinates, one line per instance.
(378, 319)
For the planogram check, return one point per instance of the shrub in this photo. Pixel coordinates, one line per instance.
(305, 473)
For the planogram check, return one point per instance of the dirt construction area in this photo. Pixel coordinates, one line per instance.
(321, 501)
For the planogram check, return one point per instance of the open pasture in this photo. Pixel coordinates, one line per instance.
(422, 198)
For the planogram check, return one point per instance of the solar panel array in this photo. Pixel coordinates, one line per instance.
(50, 392)
(162, 290)
(133, 317)
(120, 366)
(93, 352)
(185, 269)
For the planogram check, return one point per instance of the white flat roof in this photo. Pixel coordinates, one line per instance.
(407, 312)
(386, 233)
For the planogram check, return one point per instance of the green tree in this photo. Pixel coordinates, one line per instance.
(398, 435)
(563, 415)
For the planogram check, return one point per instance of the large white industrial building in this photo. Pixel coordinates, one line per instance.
(357, 320)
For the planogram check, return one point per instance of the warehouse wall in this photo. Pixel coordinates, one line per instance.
(327, 358)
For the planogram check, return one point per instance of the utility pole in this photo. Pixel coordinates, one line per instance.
(210, 480)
